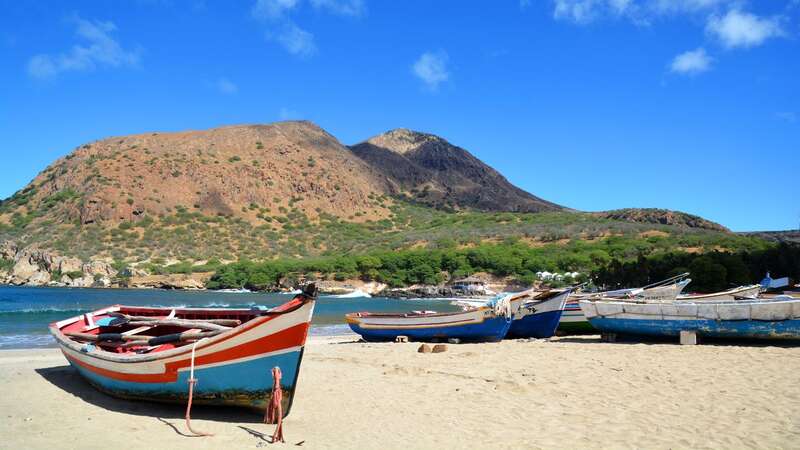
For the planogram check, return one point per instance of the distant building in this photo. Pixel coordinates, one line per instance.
(471, 286)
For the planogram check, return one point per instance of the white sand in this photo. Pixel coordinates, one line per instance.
(566, 393)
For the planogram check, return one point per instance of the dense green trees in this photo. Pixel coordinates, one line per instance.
(712, 271)
(607, 263)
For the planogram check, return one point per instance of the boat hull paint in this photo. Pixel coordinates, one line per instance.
(753, 329)
(573, 321)
(232, 368)
(539, 326)
(246, 384)
(538, 320)
(490, 329)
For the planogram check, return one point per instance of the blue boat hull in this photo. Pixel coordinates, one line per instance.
(535, 326)
(750, 329)
(493, 329)
(246, 383)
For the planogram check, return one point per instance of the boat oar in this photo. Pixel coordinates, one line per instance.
(185, 336)
(114, 337)
(221, 322)
(203, 325)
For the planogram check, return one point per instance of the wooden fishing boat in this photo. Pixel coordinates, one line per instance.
(539, 315)
(573, 321)
(477, 324)
(741, 292)
(777, 318)
(151, 353)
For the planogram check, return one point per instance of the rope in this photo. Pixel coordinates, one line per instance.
(275, 407)
(192, 382)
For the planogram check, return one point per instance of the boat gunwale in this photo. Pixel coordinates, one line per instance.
(732, 292)
(66, 342)
(747, 301)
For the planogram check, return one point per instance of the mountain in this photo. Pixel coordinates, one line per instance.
(185, 202)
(239, 171)
(437, 173)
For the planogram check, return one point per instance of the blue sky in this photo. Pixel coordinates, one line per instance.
(691, 105)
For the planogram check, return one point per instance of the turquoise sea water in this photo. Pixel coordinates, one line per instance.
(25, 312)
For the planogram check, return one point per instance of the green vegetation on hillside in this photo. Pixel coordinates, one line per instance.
(414, 244)
(611, 262)
(279, 232)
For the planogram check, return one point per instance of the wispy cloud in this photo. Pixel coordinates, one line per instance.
(226, 86)
(277, 14)
(273, 9)
(431, 68)
(640, 12)
(288, 114)
(355, 8)
(578, 11)
(743, 29)
(294, 39)
(98, 49)
(692, 62)
(686, 6)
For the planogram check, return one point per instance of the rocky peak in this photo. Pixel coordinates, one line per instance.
(403, 140)
(438, 173)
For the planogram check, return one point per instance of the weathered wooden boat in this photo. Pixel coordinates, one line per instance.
(539, 315)
(777, 318)
(149, 353)
(476, 324)
(573, 321)
(741, 292)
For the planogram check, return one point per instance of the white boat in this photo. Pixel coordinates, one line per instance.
(777, 318)
(741, 292)
(574, 321)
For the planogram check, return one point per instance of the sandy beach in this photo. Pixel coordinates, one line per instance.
(572, 392)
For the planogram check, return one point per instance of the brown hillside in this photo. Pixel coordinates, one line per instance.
(232, 171)
(437, 173)
(662, 217)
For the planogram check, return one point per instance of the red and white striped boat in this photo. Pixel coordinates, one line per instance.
(149, 353)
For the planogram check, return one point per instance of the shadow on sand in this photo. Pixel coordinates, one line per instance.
(69, 380)
(623, 339)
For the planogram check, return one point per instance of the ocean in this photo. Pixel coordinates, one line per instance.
(25, 312)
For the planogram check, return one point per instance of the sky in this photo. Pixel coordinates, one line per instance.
(691, 105)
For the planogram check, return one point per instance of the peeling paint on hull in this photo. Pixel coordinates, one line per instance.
(535, 326)
(752, 329)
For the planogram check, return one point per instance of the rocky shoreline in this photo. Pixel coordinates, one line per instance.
(35, 267)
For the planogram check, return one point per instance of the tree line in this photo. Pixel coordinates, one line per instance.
(710, 271)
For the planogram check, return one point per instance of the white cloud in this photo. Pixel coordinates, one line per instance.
(226, 86)
(295, 40)
(100, 49)
(355, 8)
(640, 12)
(743, 29)
(578, 11)
(620, 6)
(431, 68)
(273, 9)
(685, 6)
(691, 63)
